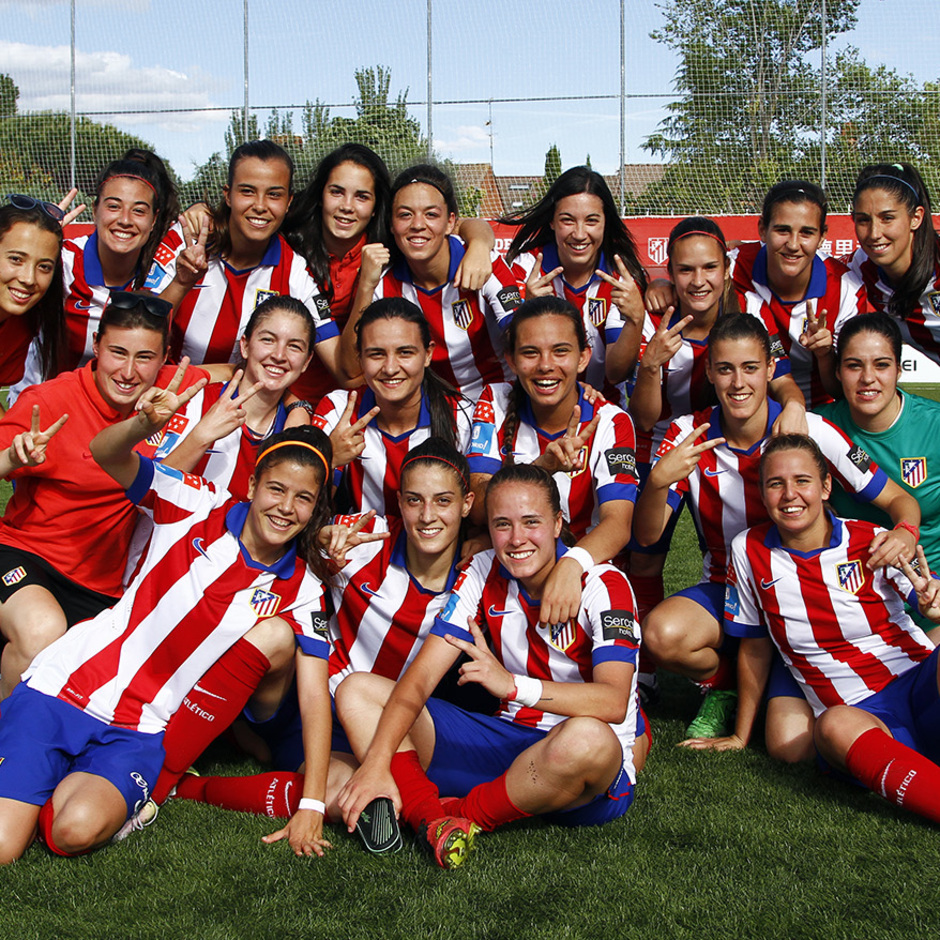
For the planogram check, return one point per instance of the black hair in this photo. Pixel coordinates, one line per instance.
(430, 175)
(303, 226)
(879, 323)
(795, 191)
(529, 310)
(304, 438)
(289, 305)
(264, 150)
(535, 223)
(440, 393)
(147, 166)
(903, 182)
(794, 442)
(699, 225)
(433, 452)
(530, 475)
(133, 318)
(47, 318)
(739, 326)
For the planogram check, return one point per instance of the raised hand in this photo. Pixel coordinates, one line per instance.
(678, 463)
(625, 293)
(665, 342)
(816, 336)
(337, 539)
(484, 668)
(538, 284)
(70, 214)
(348, 437)
(926, 587)
(192, 262)
(567, 452)
(157, 405)
(28, 448)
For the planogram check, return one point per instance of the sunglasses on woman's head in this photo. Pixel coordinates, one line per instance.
(127, 300)
(21, 201)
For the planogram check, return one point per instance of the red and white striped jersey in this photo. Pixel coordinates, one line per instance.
(382, 613)
(197, 592)
(213, 315)
(466, 326)
(724, 487)
(603, 320)
(609, 470)
(841, 629)
(922, 328)
(606, 630)
(832, 287)
(372, 479)
(230, 462)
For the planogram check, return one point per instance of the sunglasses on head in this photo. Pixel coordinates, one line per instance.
(155, 306)
(21, 201)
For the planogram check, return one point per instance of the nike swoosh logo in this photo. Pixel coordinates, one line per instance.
(767, 585)
(713, 473)
(197, 544)
(493, 612)
(81, 305)
(366, 589)
(198, 688)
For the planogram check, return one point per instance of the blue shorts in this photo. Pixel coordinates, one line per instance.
(780, 682)
(43, 740)
(471, 749)
(910, 706)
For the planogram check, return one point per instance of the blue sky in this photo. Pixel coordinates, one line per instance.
(171, 54)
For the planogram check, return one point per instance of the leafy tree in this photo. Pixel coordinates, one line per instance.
(552, 165)
(9, 92)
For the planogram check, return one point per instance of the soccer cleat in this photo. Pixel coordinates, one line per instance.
(715, 718)
(140, 820)
(378, 827)
(450, 839)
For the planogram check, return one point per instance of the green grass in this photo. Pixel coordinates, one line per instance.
(716, 845)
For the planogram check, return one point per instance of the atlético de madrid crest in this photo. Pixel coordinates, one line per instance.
(913, 471)
(264, 603)
(851, 576)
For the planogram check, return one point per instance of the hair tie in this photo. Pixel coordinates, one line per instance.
(129, 176)
(450, 463)
(280, 444)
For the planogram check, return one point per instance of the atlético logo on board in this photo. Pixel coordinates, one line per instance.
(597, 310)
(264, 603)
(14, 576)
(913, 471)
(656, 249)
(463, 314)
(562, 635)
(851, 576)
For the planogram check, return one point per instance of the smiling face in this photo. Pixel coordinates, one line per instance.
(128, 361)
(348, 205)
(283, 499)
(124, 216)
(578, 224)
(523, 529)
(547, 360)
(259, 198)
(869, 375)
(432, 505)
(28, 257)
(277, 351)
(793, 492)
(740, 372)
(885, 229)
(698, 267)
(393, 359)
(792, 237)
(421, 223)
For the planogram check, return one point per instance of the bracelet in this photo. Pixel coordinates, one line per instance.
(527, 691)
(318, 806)
(910, 528)
(300, 403)
(582, 556)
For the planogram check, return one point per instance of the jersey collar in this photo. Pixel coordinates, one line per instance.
(94, 275)
(272, 258)
(772, 539)
(367, 403)
(399, 557)
(550, 262)
(403, 273)
(817, 279)
(714, 422)
(587, 412)
(283, 568)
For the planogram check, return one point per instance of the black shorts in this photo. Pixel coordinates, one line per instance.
(19, 568)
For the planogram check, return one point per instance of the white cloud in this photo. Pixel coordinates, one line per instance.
(109, 82)
(468, 137)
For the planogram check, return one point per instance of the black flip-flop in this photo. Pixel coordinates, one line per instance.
(379, 828)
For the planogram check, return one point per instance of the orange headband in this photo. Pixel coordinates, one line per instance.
(274, 447)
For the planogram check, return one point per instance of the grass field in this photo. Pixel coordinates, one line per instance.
(728, 845)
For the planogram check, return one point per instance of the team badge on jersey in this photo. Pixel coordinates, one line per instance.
(597, 310)
(913, 471)
(264, 603)
(851, 576)
(463, 314)
(933, 298)
(562, 635)
(261, 295)
(656, 248)
(582, 456)
(14, 576)
(859, 456)
(619, 625)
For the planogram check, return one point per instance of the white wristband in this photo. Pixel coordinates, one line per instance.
(582, 556)
(318, 806)
(528, 690)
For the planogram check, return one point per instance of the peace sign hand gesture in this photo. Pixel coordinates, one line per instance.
(336, 540)
(157, 405)
(678, 463)
(665, 343)
(192, 262)
(349, 438)
(538, 284)
(926, 587)
(484, 668)
(70, 214)
(625, 293)
(28, 448)
(816, 337)
(228, 413)
(567, 452)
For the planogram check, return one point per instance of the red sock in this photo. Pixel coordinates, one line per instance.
(420, 800)
(46, 816)
(725, 677)
(271, 794)
(487, 804)
(649, 591)
(896, 772)
(213, 704)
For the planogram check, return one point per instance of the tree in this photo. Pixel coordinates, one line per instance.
(748, 108)
(9, 92)
(552, 165)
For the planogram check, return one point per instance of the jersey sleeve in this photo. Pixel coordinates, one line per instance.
(464, 600)
(168, 495)
(614, 452)
(163, 269)
(483, 455)
(309, 620)
(742, 614)
(850, 463)
(609, 608)
(304, 288)
(501, 292)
